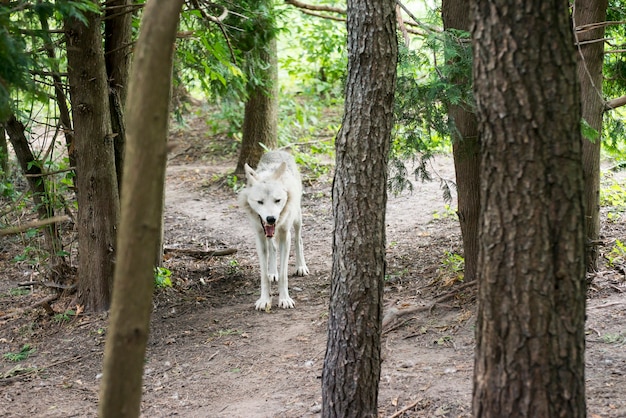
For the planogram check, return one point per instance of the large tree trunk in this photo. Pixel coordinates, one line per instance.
(590, 60)
(465, 148)
(352, 363)
(260, 121)
(531, 301)
(117, 47)
(98, 200)
(140, 226)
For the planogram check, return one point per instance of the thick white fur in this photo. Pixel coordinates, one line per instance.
(275, 190)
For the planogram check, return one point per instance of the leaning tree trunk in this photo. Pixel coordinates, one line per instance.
(98, 200)
(465, 147)
(260, 121)
(590, 59)
(530, 348)
(117, 46)
(140, 226)
(31, 168)
(352, 363)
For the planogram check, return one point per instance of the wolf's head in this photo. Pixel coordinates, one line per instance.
(266, 196)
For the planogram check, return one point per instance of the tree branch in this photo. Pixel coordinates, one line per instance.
(596, 25)
(615, 103)
(314, 7)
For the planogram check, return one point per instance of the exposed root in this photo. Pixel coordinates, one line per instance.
(393, 314)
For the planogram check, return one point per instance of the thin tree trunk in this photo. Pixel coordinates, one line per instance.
(117, 47)
(590, 60)
(465, 148)
(98, 199)
(530, 335)
(32, 170)
(352, 364)
(65, 119)
(146, 151)
(4, 152)
(260, 121)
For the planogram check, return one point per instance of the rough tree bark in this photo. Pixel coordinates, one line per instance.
(531, 302)
(98, 199)
(352, 363)
(590, 59)
(147, 112)
(260, 120)
(465, 148)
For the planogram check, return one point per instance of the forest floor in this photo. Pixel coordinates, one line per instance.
(210, 354)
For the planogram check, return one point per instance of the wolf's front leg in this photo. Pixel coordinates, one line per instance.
(265, 301)
(272, 271)
(284, 242)
(301, 268)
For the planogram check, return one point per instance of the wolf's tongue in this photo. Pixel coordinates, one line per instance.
(269, 230)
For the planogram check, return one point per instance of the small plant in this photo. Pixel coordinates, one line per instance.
(613, 195)
(448, 212)
(454, 263)
(23, 354)
(19, 291)
(234, 183)
(444, 341)
(617, 255)
(614, 338)
(64, 317)
(162, 277)
(233, 266)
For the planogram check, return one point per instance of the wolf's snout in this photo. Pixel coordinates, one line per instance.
(270, 220)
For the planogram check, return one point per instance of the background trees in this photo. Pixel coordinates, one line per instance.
(531, 277)
(96, 181)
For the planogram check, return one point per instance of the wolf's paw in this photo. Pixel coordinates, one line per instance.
(286, 303)
(263, 304)
(302, 270)
(272, 277)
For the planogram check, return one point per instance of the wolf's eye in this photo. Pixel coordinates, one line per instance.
(260, 202)
(277, 201)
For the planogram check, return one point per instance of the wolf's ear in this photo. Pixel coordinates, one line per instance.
(279, 171)
(251, 176)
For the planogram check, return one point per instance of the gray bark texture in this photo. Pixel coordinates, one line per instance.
(352, 363)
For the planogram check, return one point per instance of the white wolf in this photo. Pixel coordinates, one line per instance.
(272, 200)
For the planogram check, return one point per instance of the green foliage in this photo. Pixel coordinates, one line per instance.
(162, 278)
(430, 79)
(23, 31)
(64, 317)
(588, 132)
(619, 338)
(613, 195)
(23, 354)
(617, 255)
(19, 291)
(448, 212)
(454, 263)
(317, 62)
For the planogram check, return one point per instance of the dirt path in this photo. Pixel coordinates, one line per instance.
(211, 354)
